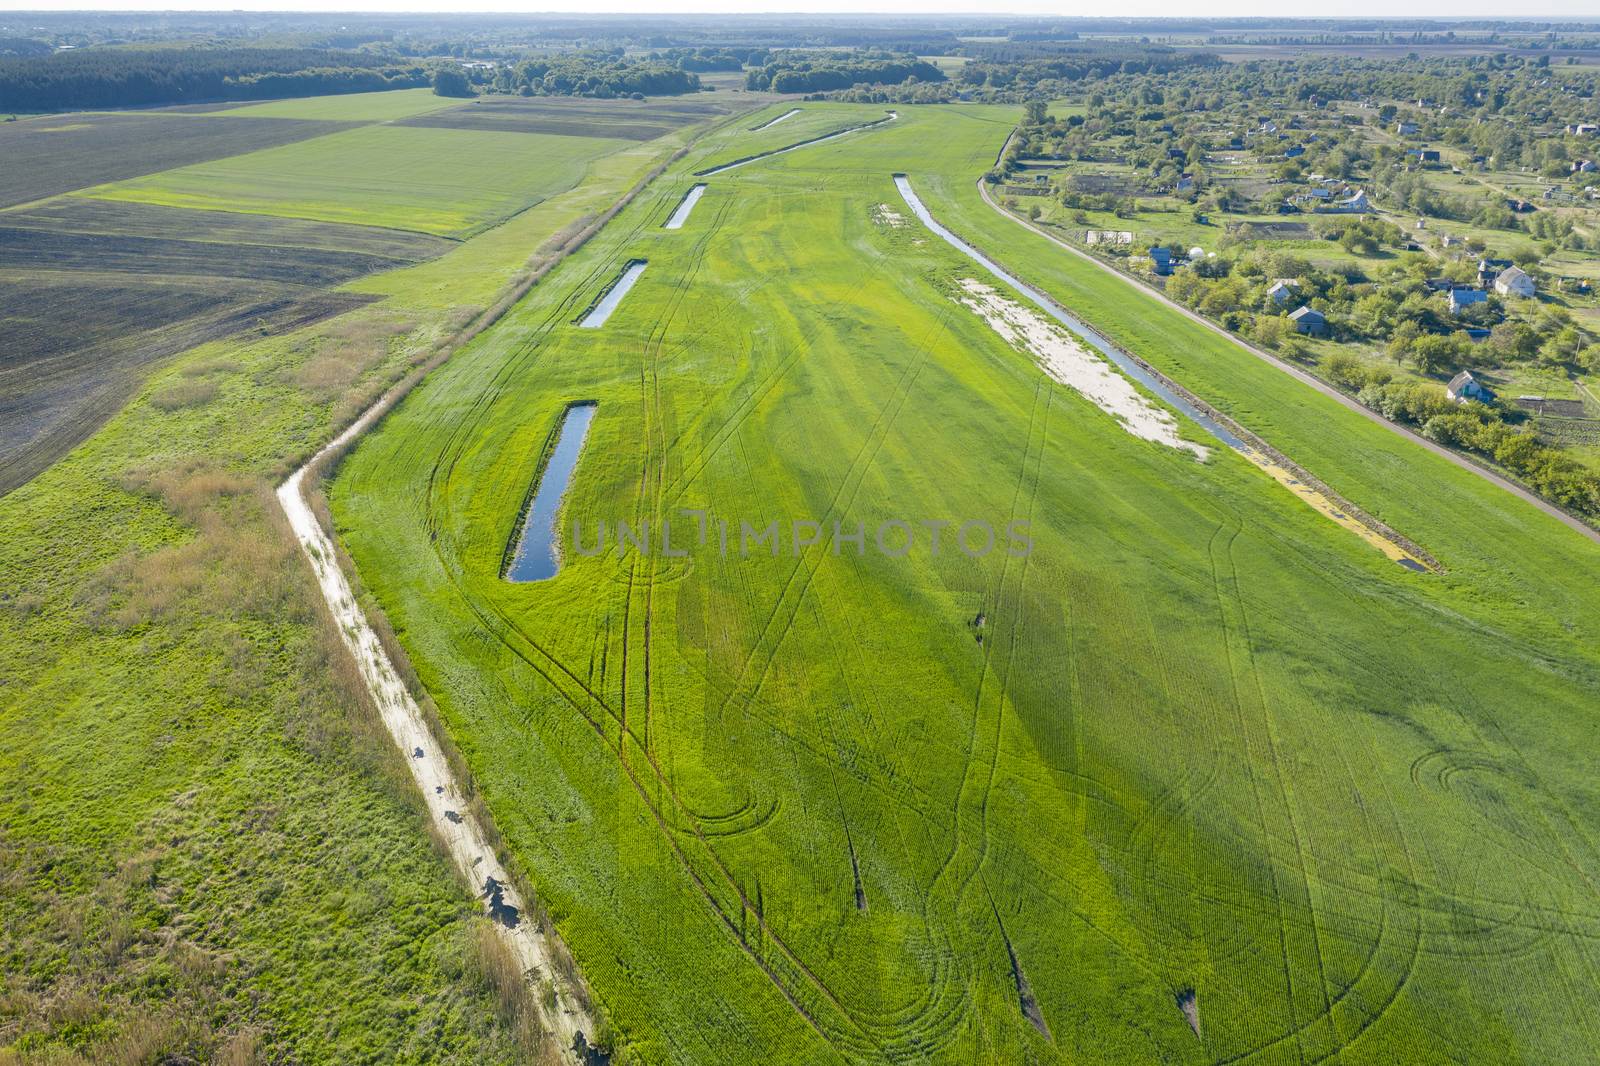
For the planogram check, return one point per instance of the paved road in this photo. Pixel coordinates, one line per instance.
(1327, 390)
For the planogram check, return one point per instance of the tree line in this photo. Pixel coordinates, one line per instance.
(603, 74)
(811, 72)
(131, 77)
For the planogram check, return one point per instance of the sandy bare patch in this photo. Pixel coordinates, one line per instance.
(888, 216)
(1066, 359)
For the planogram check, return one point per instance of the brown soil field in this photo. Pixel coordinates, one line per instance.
(53, 154)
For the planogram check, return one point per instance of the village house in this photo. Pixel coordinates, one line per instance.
(1160, 260)
(1464, 387)
(1405, 129)
(1312, 323)
(1282, 290)
(1514, 281)
(1354, 204)
(1461, 299)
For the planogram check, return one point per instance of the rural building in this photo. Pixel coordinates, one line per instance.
(1584, 129)
(1311, 323)
(1424, 155)
(1160, 260)
(1294, 151)
(1405, 129)
(1282, 290)
(1583, 166)
(1461, 299)
(1354, 204)
(1514, 282)
(1464, 387)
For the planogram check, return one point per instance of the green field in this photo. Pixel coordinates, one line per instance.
(440, 181)
(210, 850)
(793, 808)
(353, 107)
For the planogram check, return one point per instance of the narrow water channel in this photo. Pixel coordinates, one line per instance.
(1049, 307)
(536, 557)
(608, 303)
(774, 122)
(681, 215)
(737, 163)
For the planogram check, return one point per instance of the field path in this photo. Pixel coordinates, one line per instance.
(1306, 379)
(448, 813)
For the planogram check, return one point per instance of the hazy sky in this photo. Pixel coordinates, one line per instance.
(1122, 8)
(1587, 9)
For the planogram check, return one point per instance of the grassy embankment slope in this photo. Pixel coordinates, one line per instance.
(792, 810)
(206, 843)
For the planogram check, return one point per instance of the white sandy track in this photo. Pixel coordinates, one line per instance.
(451, 817)
(1069, 361)
(1306, 379)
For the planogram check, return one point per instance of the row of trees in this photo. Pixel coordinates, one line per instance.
(603, 74)
(129, 77)
(811, 72)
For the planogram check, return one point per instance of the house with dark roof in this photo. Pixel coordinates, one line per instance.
(1461, 299)
(1161, 259)
(1311, 323)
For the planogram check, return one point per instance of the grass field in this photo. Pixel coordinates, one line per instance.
(439, 181)
(1209, 751)
(209, 850)
(352, 107)
(58, 153)
(635, 120)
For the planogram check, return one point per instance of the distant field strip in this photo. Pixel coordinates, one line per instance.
(54, 154)
(807, 143)
(111, 218)
(440, 181)
(349, 107)
(628, 120)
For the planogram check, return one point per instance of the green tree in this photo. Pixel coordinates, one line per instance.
(451, 81)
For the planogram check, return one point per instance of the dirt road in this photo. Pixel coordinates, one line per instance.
(452, 819)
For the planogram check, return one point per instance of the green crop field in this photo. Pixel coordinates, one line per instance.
(440, 181)
(352, 107)
(630, 119)
(814, 120)
(1200, 747)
